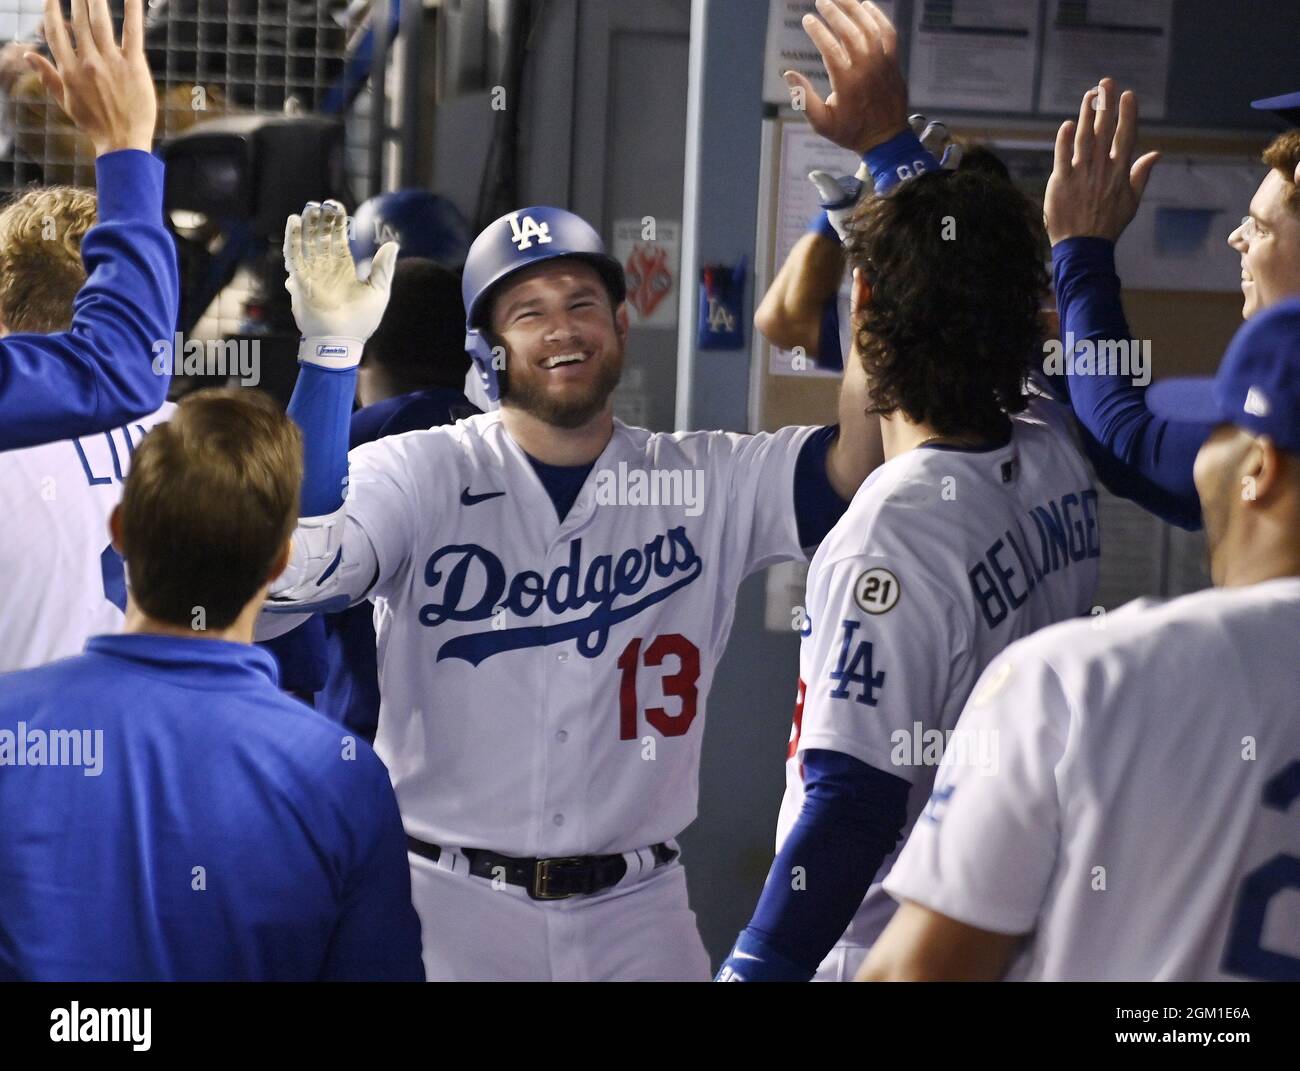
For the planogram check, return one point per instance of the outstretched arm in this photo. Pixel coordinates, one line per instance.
(921, 945)
(334, 561)
(792, 312)
(1092, 196)
(865, 112)
(100, 373)
(851, 819)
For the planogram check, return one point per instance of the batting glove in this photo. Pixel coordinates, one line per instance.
(840, 196)
(937, 141)
(336, 311)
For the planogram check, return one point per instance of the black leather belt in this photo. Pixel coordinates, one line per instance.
(556, 878)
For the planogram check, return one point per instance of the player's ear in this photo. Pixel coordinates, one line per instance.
(1261, 468)
(621, 322)
(115, 529)
(861, 291)
(281, 562)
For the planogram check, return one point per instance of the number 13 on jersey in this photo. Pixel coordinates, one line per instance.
(682, 684)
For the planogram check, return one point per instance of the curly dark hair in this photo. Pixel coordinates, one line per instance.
(956, 263)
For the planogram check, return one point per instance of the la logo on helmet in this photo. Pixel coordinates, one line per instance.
(523, 235)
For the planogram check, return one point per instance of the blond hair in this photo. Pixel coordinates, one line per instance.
(40, 257)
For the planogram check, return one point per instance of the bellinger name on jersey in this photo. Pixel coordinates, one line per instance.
(1067, 532)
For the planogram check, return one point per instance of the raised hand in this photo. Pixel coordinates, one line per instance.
(329, 299)
(867, 104)
(1095, 185)
(104, 88)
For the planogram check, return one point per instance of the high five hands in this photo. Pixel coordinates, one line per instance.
(1096, 185)
(104, 88)
(867, 105)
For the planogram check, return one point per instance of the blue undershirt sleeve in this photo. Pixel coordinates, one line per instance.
(829, 353)
(817, 505)
(1137, 455)
(852, 816)
(321, 406)
(113, 364)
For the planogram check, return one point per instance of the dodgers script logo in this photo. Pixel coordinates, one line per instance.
(470, 583)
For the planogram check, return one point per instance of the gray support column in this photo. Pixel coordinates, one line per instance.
(729, 848)
(720, 201)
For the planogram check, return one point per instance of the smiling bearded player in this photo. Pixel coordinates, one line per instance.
(544, 654)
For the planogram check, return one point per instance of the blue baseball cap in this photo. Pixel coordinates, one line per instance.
(1257, 386)
(1287, 106)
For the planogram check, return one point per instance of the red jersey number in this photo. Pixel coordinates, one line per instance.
(680, 685)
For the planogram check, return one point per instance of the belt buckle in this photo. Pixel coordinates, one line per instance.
(542, 877)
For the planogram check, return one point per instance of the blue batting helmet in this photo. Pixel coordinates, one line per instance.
(424, 224)
(519, 240)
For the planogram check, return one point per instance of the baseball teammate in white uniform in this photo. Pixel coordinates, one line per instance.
(553, 590)
(57, 563)
(64, 582)
(980, 527)
(1141, 821)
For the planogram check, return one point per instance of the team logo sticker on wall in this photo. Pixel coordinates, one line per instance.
(650, 251)
(876, 591)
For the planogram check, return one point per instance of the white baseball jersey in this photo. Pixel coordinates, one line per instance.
(1143, 819)
(943, 558)
(543, 683)
(64, 582)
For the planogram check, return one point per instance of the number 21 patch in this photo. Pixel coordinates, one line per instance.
(876, 591)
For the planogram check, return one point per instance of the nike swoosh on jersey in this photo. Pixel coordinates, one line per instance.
(467, 499)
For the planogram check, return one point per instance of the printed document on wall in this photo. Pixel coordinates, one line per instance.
(1128, 41)
(789, 48)
(973, 54)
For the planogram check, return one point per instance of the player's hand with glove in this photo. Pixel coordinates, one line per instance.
(936, 140)
(866, 110)
(1095, 185)
(335, 309)
(840, 195)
